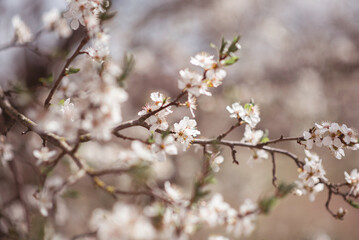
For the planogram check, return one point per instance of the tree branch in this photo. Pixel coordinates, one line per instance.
(63, 71)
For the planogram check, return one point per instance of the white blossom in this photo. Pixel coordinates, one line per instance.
(158, 101)
(45, 199)
(185, 130)
(6, 150)
(249, 113)
(191, 82)
(257, 157)
(175, 194)
(303, 189)
(43, 155)
(22, 32)
(215, 161)
(215, 77)
(333, 136)
(163, 146)
(54, 21)
(191, 104)
(99, 51)
(158, 121)
(203, 60)
(85, 12)
(252, 136)
(353, 180)
(311, 175)
(312, 171)
(142, 151)
(123, 222)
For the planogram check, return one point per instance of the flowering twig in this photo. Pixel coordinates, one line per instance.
(63, 71)
(164, 106)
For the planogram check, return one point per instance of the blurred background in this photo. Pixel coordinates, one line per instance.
(299, 62)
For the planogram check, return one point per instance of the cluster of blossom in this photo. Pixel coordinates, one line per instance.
(93, 97)
(197, 84)
(45, 199)
(49, 197)
(86, 13)
(123, 222)
(184, 131)
(53, 21)
(157, 120)
(254, 137)
(104, 110)
(98, 105)
(333, 136)
(311, 176)
(249, 113)
(92, 104)
(22, 32)
(175, 221)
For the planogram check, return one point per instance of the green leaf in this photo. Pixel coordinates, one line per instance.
(233, 47)
(267, 204)
(47, 80)
(128, 64)
(107, 16)
(353, 204)
(140, 173)
(230, 61)
(223, 46)
(71, 194)
(71, 70)
(248, 106)
(210, 179)
(204, 193)
(151, 139)
(164, 134)
(265, 137)
(62, 102)
(284, 189)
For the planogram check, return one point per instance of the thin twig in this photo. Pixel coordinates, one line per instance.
(274, 177)
(233, 152)
(283, 139)
(63, 71)
(328, 201)
(223, 135)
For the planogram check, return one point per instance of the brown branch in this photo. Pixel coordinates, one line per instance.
(63, 71)
(129, 138)
(283, 139)
(327, 203)
(248, 145)
(223, 135)
(274, 178)
(233, 152)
